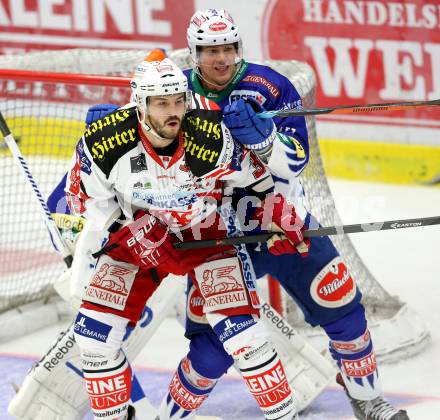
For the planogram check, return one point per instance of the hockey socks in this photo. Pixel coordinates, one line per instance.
(352, 349)
(357, 363)
(187, 391)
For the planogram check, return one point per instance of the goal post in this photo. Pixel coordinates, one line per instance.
(45, 99)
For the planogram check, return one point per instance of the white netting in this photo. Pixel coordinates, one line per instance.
(47, 119)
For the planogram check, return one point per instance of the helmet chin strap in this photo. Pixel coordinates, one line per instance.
(147, 128)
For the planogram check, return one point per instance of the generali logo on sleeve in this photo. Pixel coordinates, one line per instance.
(129, 24)
(362, 51)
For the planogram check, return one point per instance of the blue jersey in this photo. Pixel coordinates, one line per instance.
(273, 91)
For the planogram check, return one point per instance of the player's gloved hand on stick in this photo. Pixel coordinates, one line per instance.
(145, 242)
(278, 215)
(240, 117)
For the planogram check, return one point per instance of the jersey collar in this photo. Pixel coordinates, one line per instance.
(150, 149)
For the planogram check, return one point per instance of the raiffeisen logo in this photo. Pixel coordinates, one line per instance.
(369, 51)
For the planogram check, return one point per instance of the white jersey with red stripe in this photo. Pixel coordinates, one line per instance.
(115, 168)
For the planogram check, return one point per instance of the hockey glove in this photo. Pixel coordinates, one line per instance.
(145, 242)
(278, 215)
(240, 117)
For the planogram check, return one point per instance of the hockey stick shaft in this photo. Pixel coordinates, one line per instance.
(322, 231)
(50, 223)
(349, 109)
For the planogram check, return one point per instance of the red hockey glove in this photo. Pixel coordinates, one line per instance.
(145, 242)
(277, 215)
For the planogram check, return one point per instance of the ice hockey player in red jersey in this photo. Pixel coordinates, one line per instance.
(152, 174)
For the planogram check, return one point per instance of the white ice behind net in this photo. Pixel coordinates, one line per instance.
(28, 266)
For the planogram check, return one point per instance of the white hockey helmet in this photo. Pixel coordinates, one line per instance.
(156, 78)
(210, 28)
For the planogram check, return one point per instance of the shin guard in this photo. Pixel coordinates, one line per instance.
(259, 364)
(106, 371)
(108, 384)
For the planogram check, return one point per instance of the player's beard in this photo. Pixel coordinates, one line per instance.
(164, 129)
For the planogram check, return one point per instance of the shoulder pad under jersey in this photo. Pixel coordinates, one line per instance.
(112, 136)
(207, 142)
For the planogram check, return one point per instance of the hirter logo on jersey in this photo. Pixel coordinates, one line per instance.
(203, 139)
(333, 286)
(111, 284)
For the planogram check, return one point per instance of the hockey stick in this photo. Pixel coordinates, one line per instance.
(50, 222)
(348, 109)
(322, 231)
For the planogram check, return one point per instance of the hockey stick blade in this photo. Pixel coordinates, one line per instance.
(349, 109)
(322, 231)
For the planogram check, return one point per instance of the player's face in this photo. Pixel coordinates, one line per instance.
(217, 65)
(165, 114)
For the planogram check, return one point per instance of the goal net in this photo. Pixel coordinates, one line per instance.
(46, 115)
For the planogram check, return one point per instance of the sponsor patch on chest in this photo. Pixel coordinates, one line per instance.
(243, 94)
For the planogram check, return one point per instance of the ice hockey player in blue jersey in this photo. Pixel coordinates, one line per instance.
(312, 273)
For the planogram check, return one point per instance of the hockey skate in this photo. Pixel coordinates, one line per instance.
(377, 409)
